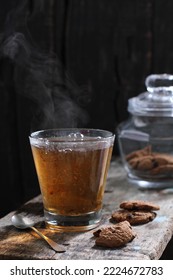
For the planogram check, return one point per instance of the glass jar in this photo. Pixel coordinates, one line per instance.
(146, 138)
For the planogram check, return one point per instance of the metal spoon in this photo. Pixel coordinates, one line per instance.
(24, 222)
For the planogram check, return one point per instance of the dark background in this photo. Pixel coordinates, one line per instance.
(81, 60)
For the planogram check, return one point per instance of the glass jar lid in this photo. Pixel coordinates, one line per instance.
(157, 101)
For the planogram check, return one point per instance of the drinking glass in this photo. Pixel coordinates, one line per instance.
(72, 167)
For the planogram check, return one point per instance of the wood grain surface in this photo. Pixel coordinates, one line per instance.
(150, 242)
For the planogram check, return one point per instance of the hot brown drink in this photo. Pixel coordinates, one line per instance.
(72, 176)
(72, 182)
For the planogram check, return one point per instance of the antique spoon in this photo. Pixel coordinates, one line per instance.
(24, 222)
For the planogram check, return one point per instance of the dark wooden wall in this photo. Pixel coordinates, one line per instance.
(104, 51)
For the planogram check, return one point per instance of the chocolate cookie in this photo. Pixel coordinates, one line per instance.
(114, 236)
(133, 217)
(139, 205)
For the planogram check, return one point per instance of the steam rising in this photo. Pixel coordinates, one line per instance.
(43, 79)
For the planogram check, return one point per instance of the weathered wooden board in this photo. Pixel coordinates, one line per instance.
(150, 243)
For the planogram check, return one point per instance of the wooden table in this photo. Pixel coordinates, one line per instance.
(150, 243)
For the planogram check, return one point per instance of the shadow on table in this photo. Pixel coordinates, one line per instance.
(168, 253)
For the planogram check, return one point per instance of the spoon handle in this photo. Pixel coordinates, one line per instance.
(53, 244)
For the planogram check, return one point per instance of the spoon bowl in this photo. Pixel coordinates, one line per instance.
(22, 222)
